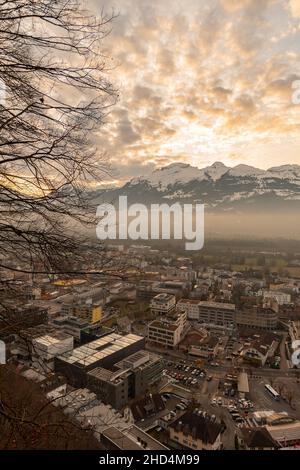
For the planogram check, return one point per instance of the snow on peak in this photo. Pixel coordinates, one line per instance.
(174, 173)
(286, 171)
(246, 170)
(183, 173)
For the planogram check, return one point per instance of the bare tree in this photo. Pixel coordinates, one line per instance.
(57, 96)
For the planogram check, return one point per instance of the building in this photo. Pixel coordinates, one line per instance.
(162, 304)
(292, 344)
(257, 317)
(41, 344)
(256, 439)
(190, 307)
(107, 425)
(132, 438)
(146, 408)
(128, 380)
(208, 348)
(77, 401)
(168, 331)
(88, 310)
(10, 319)
(217, 314)
(87, 303)
(243, 385)
(148, 289)
(197, 431)
(281, 298)
(286, 435)
(260, 348)
(272, 418)
(71, 325)
(104, 352)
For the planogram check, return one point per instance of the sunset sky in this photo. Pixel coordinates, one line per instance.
(203, 81)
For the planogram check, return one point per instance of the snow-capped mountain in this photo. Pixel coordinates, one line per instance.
(218, 186)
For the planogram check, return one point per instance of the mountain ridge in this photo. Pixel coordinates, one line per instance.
(219, 187)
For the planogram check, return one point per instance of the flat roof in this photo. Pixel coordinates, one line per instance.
(243, 383)
(226, 306)
(189, 301)
(163, 326)
(99, 349)
(285, 432)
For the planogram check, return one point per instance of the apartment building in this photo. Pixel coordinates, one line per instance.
(257, 317)
(217, 314)
(281, 298)
(168, 331)
(197, 431)
(89, 310)
(190, 307)
(260, 348)
(162, 304)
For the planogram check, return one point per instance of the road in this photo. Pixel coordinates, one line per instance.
(283, 359)
(224, 368)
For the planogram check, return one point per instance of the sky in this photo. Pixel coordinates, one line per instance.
(202, 81)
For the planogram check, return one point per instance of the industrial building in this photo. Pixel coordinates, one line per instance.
(129, 378)
(103, 352)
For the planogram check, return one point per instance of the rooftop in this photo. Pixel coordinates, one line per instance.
(132, 438)
(99, 349)
(162, 298)
(188, 301)
(258, 438)
(163, 325)
(199, 426)
(219, 305)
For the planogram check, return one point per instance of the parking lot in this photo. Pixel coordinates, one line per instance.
(187, 375)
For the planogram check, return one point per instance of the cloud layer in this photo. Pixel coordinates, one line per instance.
(203, 81)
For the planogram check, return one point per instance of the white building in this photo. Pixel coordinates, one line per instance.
(162, 304)
(168, 331)
(280, 297)
(190, 307)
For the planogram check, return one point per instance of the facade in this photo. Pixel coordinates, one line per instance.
(294, 336)
(208, 348)
(280, 297)
(129, 380)
(217, 314)
(89, 310)
(71, 325)
(162, 304)
(261, 348)
(103, 352)
(168, 331)
(197, 431)
(190, 306)
(41, 344)
(262, 318)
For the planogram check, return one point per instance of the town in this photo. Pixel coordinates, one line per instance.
(160, 350)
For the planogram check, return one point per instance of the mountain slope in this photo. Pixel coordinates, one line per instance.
(219, 187)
